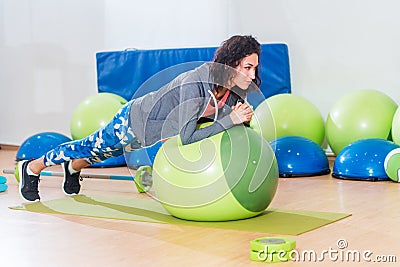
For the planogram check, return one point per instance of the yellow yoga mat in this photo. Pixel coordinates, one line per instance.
(272, 221)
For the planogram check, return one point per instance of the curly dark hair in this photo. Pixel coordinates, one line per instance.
(231, 52)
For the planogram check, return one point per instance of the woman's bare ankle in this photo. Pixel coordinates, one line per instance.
(79, 164)
(37, 165)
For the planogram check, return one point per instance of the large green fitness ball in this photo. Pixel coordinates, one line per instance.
(231, 175)
(359, 115)
(396, 127)
(392, 164)
(288, 115)
(93, 113)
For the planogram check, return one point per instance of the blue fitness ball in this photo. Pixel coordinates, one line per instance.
(38, 144)
(299, 156)
(142, 157)
(363, 160)
(111, 162)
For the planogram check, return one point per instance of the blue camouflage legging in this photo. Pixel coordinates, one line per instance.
(109, 141)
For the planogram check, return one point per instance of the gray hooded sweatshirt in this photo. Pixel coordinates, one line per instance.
(176, 108)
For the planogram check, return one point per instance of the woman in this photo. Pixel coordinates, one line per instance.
(214, 91)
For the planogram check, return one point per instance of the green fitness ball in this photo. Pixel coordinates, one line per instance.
(93, 113)
(392, 164)
(119, 98)
(229, 176)
(359, 115)
(396, 127)
(288, 115)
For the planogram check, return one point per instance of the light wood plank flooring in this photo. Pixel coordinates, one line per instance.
(33, 239)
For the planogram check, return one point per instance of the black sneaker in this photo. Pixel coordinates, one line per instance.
(28, 184)
(71, 185)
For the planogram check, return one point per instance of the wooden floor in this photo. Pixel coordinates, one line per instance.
(33, 239)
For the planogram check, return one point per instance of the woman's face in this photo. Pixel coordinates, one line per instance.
(246, 71)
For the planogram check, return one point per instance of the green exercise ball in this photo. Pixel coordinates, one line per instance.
(93, 113)
(229, 176)
(396, 127)
(359, 115)
(288, 115)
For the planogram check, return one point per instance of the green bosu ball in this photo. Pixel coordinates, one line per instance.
(93, 113)
(392, 164)
(229, 176)
(288, 115)
(359, 115)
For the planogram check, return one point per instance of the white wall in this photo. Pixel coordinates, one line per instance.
(335, 46)
(48, 47)
(47, 51)
(164, 24)
(47, 63)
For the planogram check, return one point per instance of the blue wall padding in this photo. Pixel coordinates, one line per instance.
(123, 72)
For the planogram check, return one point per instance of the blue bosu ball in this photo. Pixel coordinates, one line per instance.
(363, 160)
(299, 156)
(38, 144)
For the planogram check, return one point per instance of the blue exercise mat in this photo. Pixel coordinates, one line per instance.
(123, 72)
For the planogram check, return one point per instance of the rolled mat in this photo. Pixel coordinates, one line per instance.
(273, 221)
